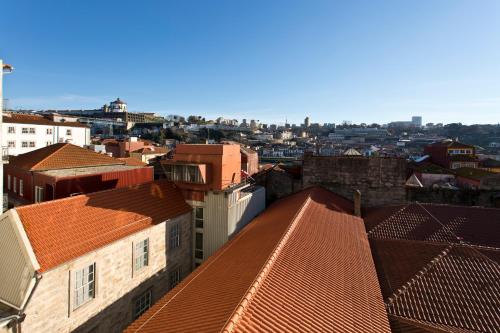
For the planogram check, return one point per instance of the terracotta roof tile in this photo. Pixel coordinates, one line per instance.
(473, 225)
(303, 265)
(438, 266)
(61, 230)
(20, 118)
(61, 156)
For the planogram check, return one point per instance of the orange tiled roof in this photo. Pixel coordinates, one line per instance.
(61, 156)
(19, 118)
(62, 230)
(303, 265)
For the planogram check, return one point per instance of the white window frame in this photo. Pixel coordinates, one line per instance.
(24, 144)
(141, 254)
(8, 182)
(11, 130)
(48, 143)
(32, 130)
(11, 144)
(21, 187)
(39, 193)
(49, 131)
(15, 184)
(25, 130)
(142, 304)
(32, 144)
(174, 234)
(68, 132)
(84, 285)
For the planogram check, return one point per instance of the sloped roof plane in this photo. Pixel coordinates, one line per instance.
(303, 265)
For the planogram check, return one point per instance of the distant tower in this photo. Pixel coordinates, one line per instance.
(118, 106)
(307, 123)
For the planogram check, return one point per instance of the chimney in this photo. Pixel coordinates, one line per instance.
(357, 203)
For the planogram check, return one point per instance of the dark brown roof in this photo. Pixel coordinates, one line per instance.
(61, 156)
(452, 144)
(438, 276)
(301, 266)
(19, 118)
(62, 230)
(473, 173)
(473, 225)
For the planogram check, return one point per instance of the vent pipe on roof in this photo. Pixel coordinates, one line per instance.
(357, 203)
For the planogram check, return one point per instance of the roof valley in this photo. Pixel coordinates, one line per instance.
(243, 305)
(392, 299)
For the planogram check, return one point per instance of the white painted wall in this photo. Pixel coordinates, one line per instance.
(80, 136)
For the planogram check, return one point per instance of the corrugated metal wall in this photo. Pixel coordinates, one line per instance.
(227, 213)
(215, 222)
(17, 272)
(244, 209)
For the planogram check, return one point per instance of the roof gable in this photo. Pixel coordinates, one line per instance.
(61, 156)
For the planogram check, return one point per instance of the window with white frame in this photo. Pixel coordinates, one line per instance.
(32, 130)
(175, 237)
(15, 184)
(24, 144)
(198, 217)
(141, 254)
(68, 132)
(142, 304)
(49, 131)
(184, 173)
(24, 130)
(11, 130)
(175, 277)
(21, 187)
(8, 182)
(48, 143)
(39, 193)
(11, 144)
(84, 286)
(32, 144)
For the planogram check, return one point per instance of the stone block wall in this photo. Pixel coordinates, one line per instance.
(118, 285)
(380, 179)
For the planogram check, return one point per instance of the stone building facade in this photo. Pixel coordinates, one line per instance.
(118, 285)
(381, 180)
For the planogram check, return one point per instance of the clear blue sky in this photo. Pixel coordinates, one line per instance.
(363, 61)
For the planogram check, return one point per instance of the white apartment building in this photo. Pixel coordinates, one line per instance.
(95, 262)
(22, 133)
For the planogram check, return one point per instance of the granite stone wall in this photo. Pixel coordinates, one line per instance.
(380, 179)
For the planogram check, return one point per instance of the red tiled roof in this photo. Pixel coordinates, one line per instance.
(301, 266)
(19, 118)
(61, 156)
(459, 287)
(474, 225)
(438, 276)
(62, 230)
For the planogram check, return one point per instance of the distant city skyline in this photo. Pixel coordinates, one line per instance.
(372, 62)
